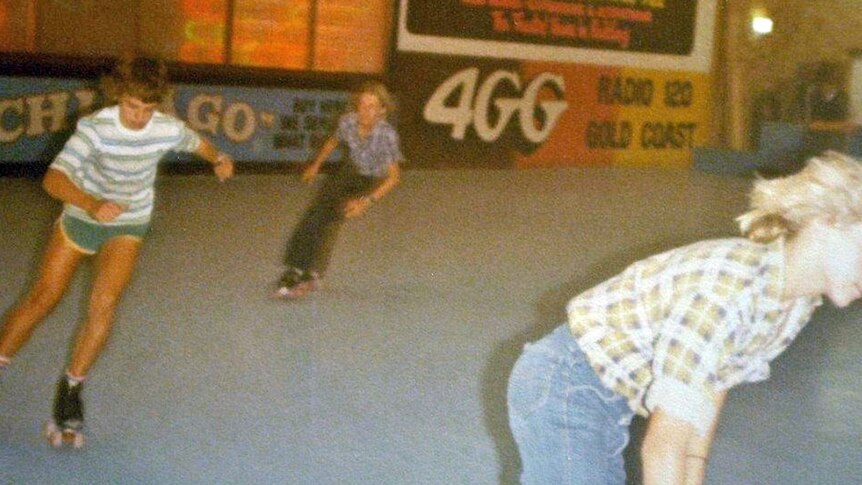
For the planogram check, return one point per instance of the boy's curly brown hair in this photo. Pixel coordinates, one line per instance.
(141, 77)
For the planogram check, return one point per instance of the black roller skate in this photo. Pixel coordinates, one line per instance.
(67, 426)
(297, 283)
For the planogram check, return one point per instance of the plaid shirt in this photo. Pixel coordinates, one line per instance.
(675, 328)
(373, 155)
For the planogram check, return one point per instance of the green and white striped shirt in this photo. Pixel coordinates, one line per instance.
(111, 162)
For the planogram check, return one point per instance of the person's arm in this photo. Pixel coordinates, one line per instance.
(393, 176)
(313, 168)
(688, 352)
(673, 452)
(222, 163)
(58, 186)
(60, 182)
(697, 452)
(356, 207)
(664, 448)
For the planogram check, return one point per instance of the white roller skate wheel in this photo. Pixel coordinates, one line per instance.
(55, 438)
(52, 434)
(78, 441)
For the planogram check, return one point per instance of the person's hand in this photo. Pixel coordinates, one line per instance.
(106, 211)
(223, 167)
(310, 173)
(356, 207)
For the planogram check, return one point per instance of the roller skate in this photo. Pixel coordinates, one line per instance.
(297, 283)
(67, 426)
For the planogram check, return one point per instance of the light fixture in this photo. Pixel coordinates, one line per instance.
(761, 24)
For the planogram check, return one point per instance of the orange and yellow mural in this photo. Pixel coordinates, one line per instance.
(624, 116)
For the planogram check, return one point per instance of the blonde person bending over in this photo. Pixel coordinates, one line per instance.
(104, 177)
(670, 335)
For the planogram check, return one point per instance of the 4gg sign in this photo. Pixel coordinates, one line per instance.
(475, 100)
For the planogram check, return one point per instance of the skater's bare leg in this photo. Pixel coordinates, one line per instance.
(114, 267)
(56, 270)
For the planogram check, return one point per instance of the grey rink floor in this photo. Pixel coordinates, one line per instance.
(394, 373)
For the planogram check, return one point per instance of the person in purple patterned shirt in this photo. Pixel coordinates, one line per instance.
(370, 173)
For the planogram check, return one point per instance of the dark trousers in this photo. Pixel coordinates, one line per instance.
(310, 246)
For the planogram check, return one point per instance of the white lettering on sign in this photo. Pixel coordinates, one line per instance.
(238, 122)
(50, 108)
(16, 106)
(204, 112)
(39, 114)
(473, 106)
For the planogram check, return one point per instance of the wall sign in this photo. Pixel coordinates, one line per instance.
(665, 34)
(37, 115)
(528, 83)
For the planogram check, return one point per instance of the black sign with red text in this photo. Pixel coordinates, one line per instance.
(645, 26)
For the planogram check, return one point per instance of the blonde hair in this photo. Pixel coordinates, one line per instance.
(829, 188)
(380, 91)
(144, 78)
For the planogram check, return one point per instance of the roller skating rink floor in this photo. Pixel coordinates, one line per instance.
(395, 372)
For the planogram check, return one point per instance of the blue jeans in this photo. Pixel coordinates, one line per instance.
(570, 429)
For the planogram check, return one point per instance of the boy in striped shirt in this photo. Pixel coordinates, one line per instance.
(104, 176)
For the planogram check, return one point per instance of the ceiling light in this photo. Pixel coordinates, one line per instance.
(761, 25)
